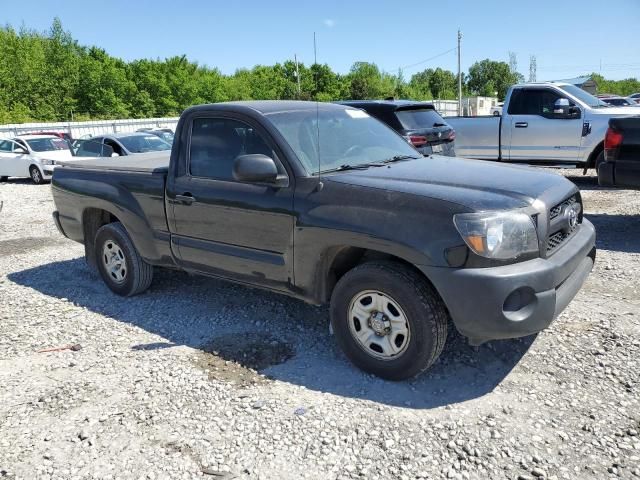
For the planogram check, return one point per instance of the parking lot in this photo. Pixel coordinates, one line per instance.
(198, 377)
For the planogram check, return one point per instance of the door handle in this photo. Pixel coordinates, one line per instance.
(185, 198)
(522, 124)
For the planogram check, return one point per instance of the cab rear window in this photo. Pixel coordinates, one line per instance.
(419, 118)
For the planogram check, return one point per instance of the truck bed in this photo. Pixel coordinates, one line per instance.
(152, 162)
(477, 137)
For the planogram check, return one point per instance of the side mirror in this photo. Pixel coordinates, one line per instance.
(256, 168)
(563, 109)
(561, 106)
(107, 151)
(20, 150)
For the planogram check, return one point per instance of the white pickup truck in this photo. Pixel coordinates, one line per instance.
(551, 123)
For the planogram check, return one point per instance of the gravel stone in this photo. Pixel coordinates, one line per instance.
(198, 378)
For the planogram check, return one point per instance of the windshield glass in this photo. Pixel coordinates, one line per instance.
(166, 136)
(422, 118)
(342, 136)
(584, 97)
(47, 144)
(144, 143)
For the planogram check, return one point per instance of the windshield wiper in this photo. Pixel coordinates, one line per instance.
(347, 166)
(398, 158)
(437, 124)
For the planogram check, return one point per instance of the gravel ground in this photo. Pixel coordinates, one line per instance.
(200, 378)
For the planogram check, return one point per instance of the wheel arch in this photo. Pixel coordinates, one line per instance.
(339, 260)
(92, 219)
(591, 160)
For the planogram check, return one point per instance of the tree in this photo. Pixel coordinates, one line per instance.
(443, 84)
(488, 77)
(367, 81)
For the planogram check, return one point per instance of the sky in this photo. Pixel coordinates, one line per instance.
(568, 38)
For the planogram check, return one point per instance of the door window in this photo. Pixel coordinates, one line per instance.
(216, 142)
(6, 146)
(534, 102)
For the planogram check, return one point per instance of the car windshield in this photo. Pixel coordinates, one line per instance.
(166, 136)
(414, 119)
(332, 138)
(583, 96)
(144, 143)
(47, 144)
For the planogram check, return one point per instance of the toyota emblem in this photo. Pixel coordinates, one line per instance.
(572, 218)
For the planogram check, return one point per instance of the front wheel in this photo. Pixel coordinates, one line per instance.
(36, 175)
(119, 263)
(388, 320)
(4, 178)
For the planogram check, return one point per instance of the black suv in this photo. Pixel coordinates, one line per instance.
(418, 122)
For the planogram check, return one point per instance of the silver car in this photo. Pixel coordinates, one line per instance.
(120, 144)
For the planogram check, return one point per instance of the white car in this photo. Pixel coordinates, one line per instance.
(496, 110)
(33, 156)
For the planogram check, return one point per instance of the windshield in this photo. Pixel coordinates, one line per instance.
(420, 118)
(47, 144)
(144, 143)
(166, 136)
(342, 136)
(584, 97)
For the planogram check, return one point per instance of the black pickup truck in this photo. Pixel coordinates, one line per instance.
(621, 166)
(327, 204)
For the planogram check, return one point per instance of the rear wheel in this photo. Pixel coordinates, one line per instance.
(36, 175)
(119, 263)
(4, 178)
(388, 320)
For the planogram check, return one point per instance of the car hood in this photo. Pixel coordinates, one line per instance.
(54, 155)
(475, 184)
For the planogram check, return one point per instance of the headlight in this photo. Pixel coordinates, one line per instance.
(499, 235)
(47, 162)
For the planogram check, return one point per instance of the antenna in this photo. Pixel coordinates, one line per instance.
(315, 76)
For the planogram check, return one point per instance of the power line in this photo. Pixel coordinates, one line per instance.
(429, 59)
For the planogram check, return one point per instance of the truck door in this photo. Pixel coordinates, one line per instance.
(539, 134)
(223, 227)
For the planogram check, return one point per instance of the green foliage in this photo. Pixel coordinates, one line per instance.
(47, 76)
(488, 77)
(617, 87)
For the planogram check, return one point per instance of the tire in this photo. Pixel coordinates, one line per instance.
(119, 263)
(598, 161)
(36, 175)
(418, 306)
(4, 178)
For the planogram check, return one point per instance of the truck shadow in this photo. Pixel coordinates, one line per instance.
(185, 310)
(618, 233)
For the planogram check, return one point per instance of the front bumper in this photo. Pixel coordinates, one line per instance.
(515, 300)
(47, 171)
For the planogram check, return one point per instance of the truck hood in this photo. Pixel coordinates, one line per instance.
(615, 111)
(475, 184)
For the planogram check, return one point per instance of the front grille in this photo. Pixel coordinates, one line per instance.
(559, 228)
(555, 211)
(556, 240)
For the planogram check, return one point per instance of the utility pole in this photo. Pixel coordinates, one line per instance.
(295, 57)
(459, 76)
(532, 68)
